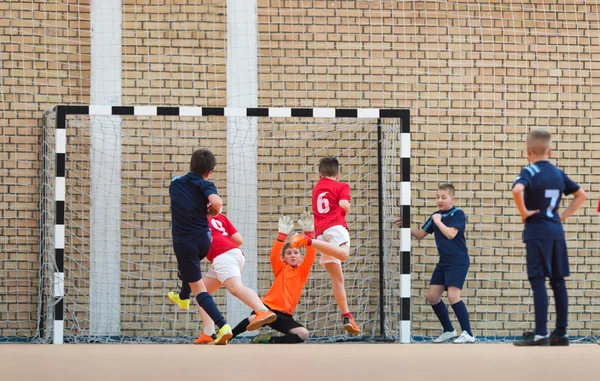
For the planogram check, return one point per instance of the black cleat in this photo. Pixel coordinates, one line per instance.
(529, 340)
(559, 341)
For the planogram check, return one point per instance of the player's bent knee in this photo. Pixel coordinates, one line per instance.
(433, 298)
(337, 279)
(344, 252)
(234, 285)
(302, 333)
(453, 295)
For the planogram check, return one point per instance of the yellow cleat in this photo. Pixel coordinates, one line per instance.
(183, 304)
(223, 335)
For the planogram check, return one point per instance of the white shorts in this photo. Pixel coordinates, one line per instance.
(336, 235)
(227, 265)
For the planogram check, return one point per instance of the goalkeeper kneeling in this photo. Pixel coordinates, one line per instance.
(291, 269)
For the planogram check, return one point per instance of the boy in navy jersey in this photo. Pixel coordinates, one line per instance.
(537, 193)
(448, 227)
(192, 198)
(226, 270)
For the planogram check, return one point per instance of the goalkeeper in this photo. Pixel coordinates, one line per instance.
(291, 269)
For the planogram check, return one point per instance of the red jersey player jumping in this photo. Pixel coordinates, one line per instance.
(227, 263)
(330, 204)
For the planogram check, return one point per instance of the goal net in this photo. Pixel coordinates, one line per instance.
(118, 260)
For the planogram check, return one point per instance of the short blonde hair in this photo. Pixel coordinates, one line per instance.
(447, 188)
(538, 141)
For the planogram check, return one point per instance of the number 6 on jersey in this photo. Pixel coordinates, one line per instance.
(322, 203)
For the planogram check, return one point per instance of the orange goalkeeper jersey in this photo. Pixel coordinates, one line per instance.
(285, 292)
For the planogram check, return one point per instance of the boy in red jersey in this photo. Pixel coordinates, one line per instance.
(330, 204)
(227, 263)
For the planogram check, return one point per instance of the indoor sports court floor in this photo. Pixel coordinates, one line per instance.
(313, 362)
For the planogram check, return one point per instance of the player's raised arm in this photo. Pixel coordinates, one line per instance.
(215, 204)
(579, 198)
(284, 226)
(307, 225)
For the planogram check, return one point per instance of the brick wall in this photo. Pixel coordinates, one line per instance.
(476, 76)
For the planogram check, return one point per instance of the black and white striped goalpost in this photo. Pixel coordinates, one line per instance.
(62, 112)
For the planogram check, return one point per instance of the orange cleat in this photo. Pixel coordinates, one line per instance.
(261, 318)
(205, 339)
(350, 326)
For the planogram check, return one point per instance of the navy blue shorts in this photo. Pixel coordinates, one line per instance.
(450, 275)
(547, 258)
(189, 254)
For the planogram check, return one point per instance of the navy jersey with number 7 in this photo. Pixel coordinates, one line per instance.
(544, 186)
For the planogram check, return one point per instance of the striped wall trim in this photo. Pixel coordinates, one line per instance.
(273, 112)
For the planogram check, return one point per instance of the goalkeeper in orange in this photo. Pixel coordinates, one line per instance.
(291, 269)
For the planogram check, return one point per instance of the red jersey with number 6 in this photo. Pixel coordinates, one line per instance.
(326, 197)
(221, 229)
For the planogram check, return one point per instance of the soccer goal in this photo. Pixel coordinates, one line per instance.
(107, 261)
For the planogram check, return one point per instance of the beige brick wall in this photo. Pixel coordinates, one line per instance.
(476, 77)
(44, 54)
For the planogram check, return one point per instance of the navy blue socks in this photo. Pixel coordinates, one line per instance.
(460, 310)
(208, 304)
(441, 312)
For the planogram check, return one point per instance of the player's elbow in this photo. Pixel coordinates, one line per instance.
(517, 189)
(237, 239)
(417, 234)
(344, 204)
(214, 208)
(217, 204)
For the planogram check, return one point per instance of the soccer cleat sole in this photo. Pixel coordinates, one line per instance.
(223, 339)
(256, 324)
(351, 330)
